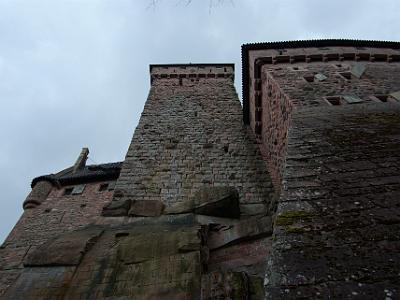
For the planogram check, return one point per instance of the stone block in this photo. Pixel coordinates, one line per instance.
(146, 208)
(158, 241)
(217, 201)
(253, 209)
(225, 285)
(247, 229)
(180, 207)
(116, 208)
(45, 283)
(66, 250)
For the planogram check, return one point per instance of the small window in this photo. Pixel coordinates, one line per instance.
(111, 186)
(103, 187)
(258, 114)
(78, 189)
(346, 75)
(334, 100)
(297, 68)
(309, 78)
(68, 191)
(258, 128)
(382, 98)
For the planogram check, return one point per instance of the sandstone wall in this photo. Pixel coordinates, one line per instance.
(56, 215)
(281, 80)
(191, 136)
(338, 220)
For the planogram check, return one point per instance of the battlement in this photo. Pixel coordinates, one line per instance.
(178, 72)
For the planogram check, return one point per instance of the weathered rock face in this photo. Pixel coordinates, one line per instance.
(56, 215)
(66, 250)
(159, 261)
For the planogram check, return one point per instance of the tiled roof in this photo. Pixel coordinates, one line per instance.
(89, 173)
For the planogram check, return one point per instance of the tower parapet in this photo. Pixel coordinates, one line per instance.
(178, 74)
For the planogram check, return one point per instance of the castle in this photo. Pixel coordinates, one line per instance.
(294, 195)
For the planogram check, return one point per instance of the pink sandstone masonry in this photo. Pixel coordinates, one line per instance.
(56, 215)
(189, 217)
(293, 196)
(189, 137)
(326, 115)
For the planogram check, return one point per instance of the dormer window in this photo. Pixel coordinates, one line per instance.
(75, 190)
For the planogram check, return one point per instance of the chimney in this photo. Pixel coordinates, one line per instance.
(81, 161)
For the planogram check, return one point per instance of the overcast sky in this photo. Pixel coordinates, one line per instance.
(76, 73)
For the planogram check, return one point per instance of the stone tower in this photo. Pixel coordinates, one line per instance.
(293, 196)
(187, 218)
(327, 117)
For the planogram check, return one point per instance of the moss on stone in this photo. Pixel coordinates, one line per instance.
(291, 217)
(385, 124)
(293, 229)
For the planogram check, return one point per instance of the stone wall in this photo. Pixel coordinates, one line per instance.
(56, 215)
(273, 119)
(327, 119)
(336, 233)
(189, 217)
(284, 79)
(191, 136)
(378, 78)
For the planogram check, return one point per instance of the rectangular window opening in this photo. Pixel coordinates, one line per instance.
(68, 191)
(258, 114)
(382, 98)
(346, 75)
(258, 100)
(334, 100)
(297, 68)
(258, 128)
(111, 186)
(309, 78)
(103, 187)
